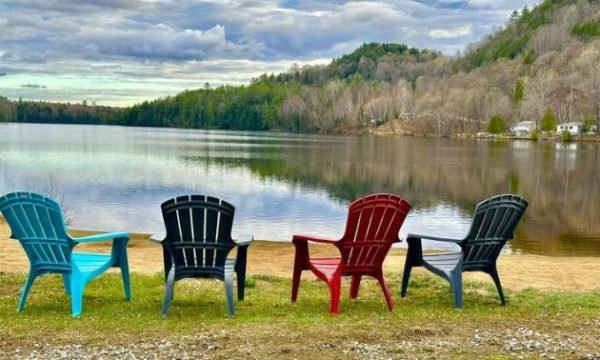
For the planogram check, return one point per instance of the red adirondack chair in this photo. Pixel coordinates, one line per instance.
(372, 227)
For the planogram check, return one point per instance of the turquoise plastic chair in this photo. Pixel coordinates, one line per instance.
(37, 222)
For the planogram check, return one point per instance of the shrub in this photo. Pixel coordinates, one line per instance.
(534, 135)
(566, 136)
(497, 125)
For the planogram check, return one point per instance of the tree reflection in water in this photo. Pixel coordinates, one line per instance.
(559, 180)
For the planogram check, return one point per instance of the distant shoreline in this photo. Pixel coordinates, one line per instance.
(397, 129)
(383, 130)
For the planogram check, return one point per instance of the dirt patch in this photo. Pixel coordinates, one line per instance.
(276, 258)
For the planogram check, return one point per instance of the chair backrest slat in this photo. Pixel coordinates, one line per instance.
(198, 231)
(371, 228)
(494, 222)
(184, 223)
(212, 236)
(38, 223)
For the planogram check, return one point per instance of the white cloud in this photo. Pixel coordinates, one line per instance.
(161, 41)
(458, 31)
(502, 4)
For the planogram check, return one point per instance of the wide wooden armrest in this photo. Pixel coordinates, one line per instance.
(243, 239)
(434, 238)
(313, 238)
(100, 237)
(157, 238)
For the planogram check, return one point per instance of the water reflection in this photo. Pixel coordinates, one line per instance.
(559, 180)
(283, 184)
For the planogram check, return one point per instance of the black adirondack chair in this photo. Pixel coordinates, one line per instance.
(493, 225)
(197, 243)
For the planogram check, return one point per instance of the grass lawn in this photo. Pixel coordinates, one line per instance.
(534, 324)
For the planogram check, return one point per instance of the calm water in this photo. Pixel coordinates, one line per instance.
(114, 178)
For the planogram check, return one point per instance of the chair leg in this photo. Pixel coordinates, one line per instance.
(77, 286)
(335, 287)
(67, 283)
(241, 285)
(414, 257)
(494, 274)
(125, 274)
(169, 291)
(240, 270)
(25, 290)
(296, 281)
(386, 292)
(168, 265)
(405, 279)
(300, 264)
(229, 292)
(457, 288)
(119, 256)
(354, 285)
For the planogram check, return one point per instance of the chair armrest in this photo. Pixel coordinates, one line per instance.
(313, 238)
(302, 253)
(434, 238)
(157, 238)
(100, 237)
(243, 239)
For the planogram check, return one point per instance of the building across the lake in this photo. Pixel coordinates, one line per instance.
(574, 128)
(523, 128)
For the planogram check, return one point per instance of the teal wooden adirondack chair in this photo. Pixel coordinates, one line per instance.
(37, 222)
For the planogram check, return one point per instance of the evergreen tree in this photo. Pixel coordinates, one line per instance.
(548, 122)
(519, 93)
(497, 125)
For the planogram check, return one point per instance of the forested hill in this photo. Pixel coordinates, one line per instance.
(542, 64)
(301, 99)
(372, 62)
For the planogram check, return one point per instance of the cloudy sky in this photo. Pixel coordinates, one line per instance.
(119, 52)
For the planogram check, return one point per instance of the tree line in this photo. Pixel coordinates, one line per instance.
(23, 111)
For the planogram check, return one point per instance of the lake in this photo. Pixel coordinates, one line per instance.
(115, 178)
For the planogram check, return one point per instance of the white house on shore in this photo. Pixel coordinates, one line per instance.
(574, 128)
(523, 128)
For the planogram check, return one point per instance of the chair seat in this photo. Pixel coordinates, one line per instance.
(207, 270)
(88, 263)
(444, 262)
(326, 266)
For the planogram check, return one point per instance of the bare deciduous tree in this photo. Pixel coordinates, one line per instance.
(53, 190)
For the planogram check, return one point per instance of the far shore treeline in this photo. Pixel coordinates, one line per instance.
(543, 64)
